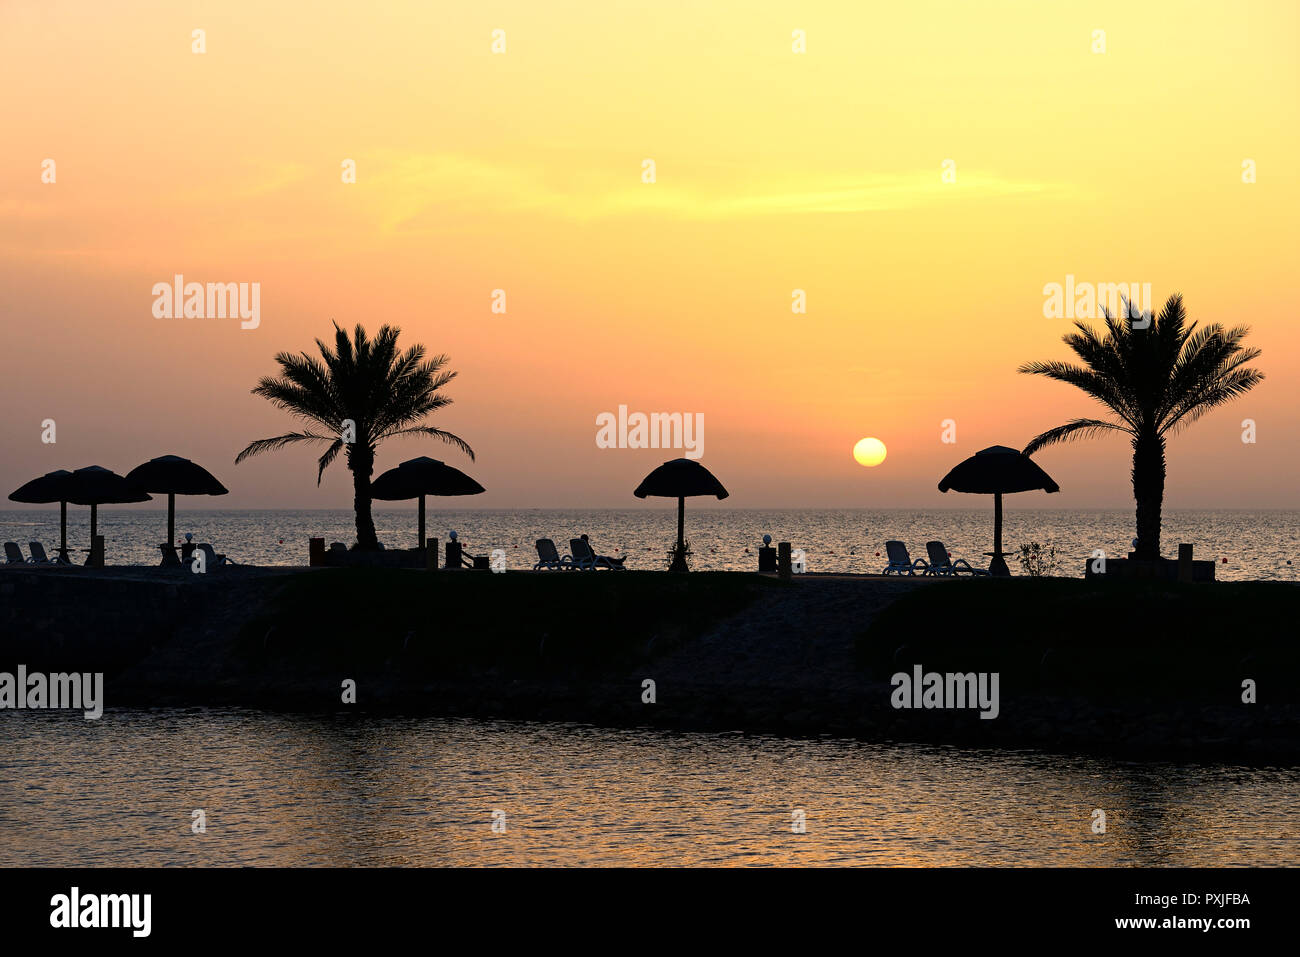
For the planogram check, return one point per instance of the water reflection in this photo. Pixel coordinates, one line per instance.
(352, 790)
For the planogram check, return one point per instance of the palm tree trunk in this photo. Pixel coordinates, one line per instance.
(362, 466)
(1148, 492)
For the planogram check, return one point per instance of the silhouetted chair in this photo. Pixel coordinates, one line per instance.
(548, 556)
(611, 561)
(38, 554)
(211, 558)
(900, 563)
(586, 559)
(943, 566)
(14, 554)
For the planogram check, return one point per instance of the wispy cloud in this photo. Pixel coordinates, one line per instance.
(413, 186)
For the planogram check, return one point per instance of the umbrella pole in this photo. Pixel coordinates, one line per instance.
(420, 543)
(171, 519)
(997, 523)
(679, 556)
(998, 565)
(63, 528)
(94, 523)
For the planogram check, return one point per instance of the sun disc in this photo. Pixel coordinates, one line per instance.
(869, 452)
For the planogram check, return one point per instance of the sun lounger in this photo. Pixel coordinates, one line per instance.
(587, 560)
(943, 566)
(211, 558)
(38, 554)
(548, 556)
(14, 554)
(900, 563)
(615, 563)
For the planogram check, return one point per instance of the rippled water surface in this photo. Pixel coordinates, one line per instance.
(359, 790)
(1256, 544)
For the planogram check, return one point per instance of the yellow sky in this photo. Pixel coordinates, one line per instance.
(522, 171)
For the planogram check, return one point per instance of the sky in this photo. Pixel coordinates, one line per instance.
(524, 171)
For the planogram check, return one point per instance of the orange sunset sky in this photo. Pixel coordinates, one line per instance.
(522, 171)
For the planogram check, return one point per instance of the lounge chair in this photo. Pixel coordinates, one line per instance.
(943, 566)
(587, 560)
(613, 562)
(211, 558)
(14, 554)
(548, 556)
(38, 554)
(900, 563)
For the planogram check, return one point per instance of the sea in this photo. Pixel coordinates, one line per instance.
(360, 790)
(1244, 544)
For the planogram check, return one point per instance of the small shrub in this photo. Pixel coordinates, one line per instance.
(1038, 561)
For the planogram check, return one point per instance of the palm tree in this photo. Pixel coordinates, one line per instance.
(365, 384)
(1157, 378)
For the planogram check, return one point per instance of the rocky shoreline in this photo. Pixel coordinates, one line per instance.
(786, 663)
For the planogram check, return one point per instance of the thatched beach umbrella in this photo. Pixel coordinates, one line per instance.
(175, 476)
(96, 486)
(49, 488)
(679, 479)
(998, 471)
(418, 477)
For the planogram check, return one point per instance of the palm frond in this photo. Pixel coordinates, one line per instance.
(330, 455)
(1229, 387)
(1096, 384)
(447, 437)
(279, 442)
(1074, 429)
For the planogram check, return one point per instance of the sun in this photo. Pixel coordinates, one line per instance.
(869, 452)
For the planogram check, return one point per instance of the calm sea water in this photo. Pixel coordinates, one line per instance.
(1256, 544)
(358, 790)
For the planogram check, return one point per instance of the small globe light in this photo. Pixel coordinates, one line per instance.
(452, 534)
(767, 539)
